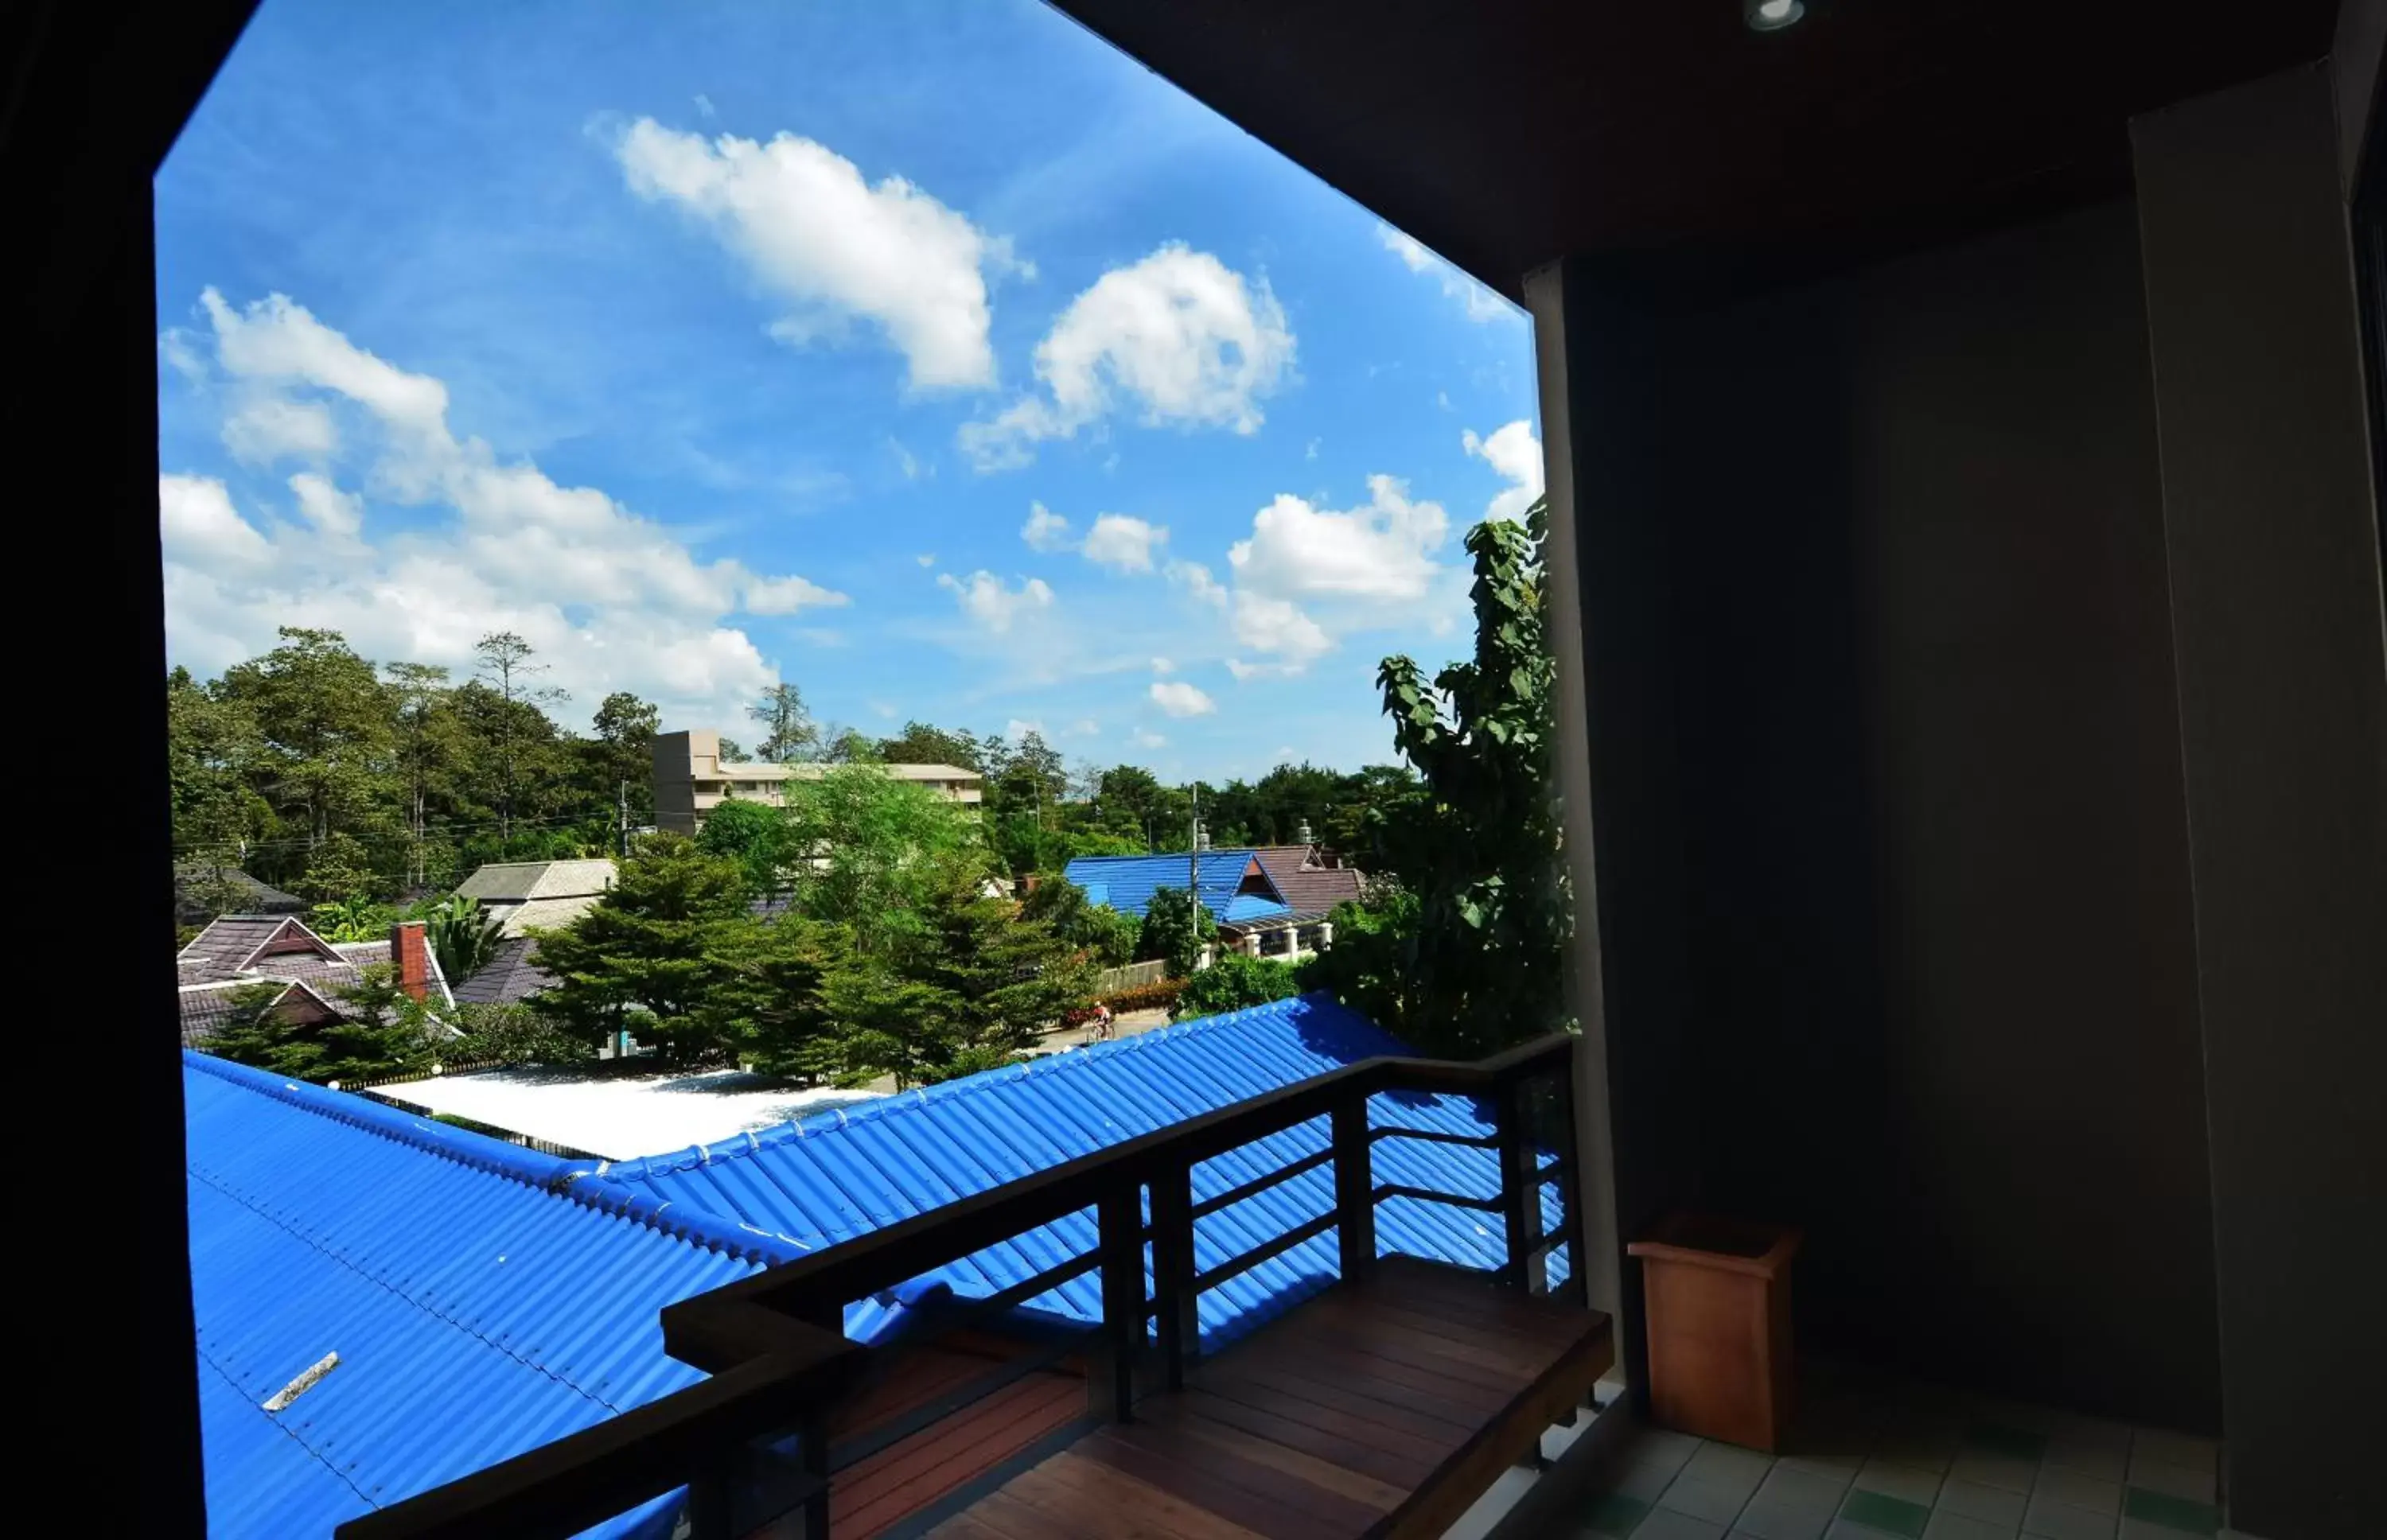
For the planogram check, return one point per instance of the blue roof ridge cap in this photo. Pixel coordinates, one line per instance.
(571, 1181)
(698, 1227)
(833, 1119)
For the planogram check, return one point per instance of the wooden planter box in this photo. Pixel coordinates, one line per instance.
(1716, 1305)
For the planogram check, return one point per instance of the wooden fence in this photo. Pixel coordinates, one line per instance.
(1135, 975)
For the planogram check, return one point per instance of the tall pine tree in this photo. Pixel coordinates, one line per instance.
(647, 957)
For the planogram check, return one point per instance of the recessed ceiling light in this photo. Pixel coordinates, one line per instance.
(1771, 16)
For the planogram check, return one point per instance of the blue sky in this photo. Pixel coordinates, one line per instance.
(933, 357)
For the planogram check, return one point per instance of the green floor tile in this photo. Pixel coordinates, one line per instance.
(1888, 1514)
(1614, 1513)
(2013, 1442)
(2184, 1514)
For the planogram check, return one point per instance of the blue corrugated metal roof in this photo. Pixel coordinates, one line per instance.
(1127, 881)
(837, 1175)
(1246, 907)
(482, 1299)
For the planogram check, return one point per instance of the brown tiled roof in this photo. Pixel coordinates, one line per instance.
(1307, 889)
(220, 950)
(207, 1008)
(512, 974)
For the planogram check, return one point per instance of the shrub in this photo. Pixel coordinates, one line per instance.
(1144, 997)
(1232, 983)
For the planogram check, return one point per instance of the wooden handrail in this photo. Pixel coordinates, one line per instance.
(867, 1264)
(780, 1361)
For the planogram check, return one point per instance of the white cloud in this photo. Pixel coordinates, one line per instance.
(200, 528)
(1015, 729)
(1243, 670)
(1123, 543)
(1278, 625)
(1118, 541)
(1085, 726)
(337, 513)
(907, 462)
(1195, 579)
(271, 427)
(613, 600)
(1308, 574)
(1179, 339)
(1144, 737)
(1382, 551)
(986, 601)
(1162, 665)
(785, 596)
(705, 106)
(1480, 303)
(1180, 698)
(1044, 530)
(803, 219)
(1514, 452)
(925, 558)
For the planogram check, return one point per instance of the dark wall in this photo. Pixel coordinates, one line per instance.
(1939, 1003)
(2283, 703)
(91, 97)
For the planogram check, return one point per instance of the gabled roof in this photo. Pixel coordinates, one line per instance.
(1126, 882)
(511, 973)
(236, 943)
(521, 881)
(481, 1300)
(825, 1178)
(253, 949)
(1308, 888)
(205, 1007)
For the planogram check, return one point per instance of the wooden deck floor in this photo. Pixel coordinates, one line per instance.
(1381, 1411)
(900, 1479)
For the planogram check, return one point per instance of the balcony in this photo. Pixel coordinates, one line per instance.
(1383, 1400)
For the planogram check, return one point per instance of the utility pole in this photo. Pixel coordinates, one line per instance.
(1194, 857)
(621, 806)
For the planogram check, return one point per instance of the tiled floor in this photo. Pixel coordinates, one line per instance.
(1873, 1460)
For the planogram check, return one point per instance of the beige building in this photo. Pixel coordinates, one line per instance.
(691, 781)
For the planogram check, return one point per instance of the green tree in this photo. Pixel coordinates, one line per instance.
(623, 753)
(462, 935)
(919, 743)
(879, 848)
(507, 664)
(1480, 962)
(1028, 778)
(646, 956)
(324, 725)
(339, 873)
(432, 747)
(1107, 936)
(1176, 929)
(213, 748)
(760, 838)
(1234, 982)
(257, 1030)
(355, 918)
(972, 985)
(770, 1000)
(788, 731)
(515, 1032)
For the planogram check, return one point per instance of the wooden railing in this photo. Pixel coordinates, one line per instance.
(752, 1444)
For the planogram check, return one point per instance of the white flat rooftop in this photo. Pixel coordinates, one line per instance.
(622, 1117)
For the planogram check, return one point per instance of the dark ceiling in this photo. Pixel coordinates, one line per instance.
(1507, 132)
